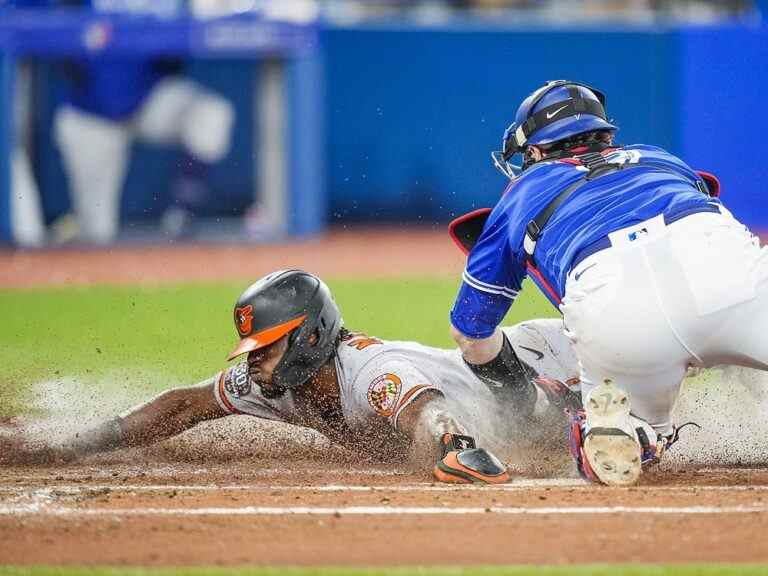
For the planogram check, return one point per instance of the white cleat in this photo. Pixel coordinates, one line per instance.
(610, 446)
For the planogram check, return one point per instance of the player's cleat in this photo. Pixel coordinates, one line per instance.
(610, 452)
(462, 463)
(652, 445)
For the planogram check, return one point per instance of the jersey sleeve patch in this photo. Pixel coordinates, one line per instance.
(386, 386)
(236, 380)
(232, 384)
(383, 394)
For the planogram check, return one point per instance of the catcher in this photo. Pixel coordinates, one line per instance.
(304, 368)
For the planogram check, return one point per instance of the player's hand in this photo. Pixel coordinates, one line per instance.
(15, 449)
(9, 449)
(10, 441)
(463, 463)
(561, 396)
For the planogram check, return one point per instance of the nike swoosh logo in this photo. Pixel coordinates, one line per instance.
(551, 115)
(539, 355)
(578, 274)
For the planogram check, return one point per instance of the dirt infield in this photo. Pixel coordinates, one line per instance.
(262, 513)
(372, 252)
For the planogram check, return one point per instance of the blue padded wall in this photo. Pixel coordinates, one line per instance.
(722, 119)
(412, 115)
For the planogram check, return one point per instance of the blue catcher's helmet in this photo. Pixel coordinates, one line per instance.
(558, 110)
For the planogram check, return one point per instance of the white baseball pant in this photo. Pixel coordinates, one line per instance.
(694, 292)
(177, 112)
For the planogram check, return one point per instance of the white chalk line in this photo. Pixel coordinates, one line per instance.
(381, 511)
(515, 486)
(132, 474)
(731, 470)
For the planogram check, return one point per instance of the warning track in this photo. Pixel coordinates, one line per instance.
(362, 252)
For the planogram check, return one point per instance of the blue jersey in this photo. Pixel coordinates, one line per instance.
(660, 183)
(112, 86)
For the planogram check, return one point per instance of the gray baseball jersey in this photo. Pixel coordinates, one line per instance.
(379, 379)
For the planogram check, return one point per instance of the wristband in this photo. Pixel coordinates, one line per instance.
(509, 378)
(106, 436)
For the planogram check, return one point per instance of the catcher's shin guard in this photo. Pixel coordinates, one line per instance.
(462, 463)
(576, 434)
(609, 451)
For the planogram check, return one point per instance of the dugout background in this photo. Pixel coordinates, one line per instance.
(411, 113)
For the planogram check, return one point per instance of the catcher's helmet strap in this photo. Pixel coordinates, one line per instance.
(550, 115)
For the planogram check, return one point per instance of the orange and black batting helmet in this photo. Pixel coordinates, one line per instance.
(294, 303)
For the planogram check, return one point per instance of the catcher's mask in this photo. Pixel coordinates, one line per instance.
(289, 302)
(558, 110)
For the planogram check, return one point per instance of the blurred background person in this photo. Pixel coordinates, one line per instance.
(26, 212)
(298, 176)
(111, 102)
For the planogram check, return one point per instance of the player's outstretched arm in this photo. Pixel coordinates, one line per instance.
(166, 415)
(494, 361)
(438, 437)
(425, 421)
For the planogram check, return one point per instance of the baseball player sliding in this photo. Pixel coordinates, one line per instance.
(650, 270)
(302, 367)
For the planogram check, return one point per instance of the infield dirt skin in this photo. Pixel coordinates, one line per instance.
(362, 252)
(262, 513)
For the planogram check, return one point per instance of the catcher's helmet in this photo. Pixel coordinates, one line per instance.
(558, 110)
(289, 302)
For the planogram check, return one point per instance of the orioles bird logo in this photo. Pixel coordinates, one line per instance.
(243, 319)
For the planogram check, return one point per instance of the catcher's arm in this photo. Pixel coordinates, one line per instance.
(437, 436)
(166, 415)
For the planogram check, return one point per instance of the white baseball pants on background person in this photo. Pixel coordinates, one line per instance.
(663, 297)
(26, 211)
(95, 150)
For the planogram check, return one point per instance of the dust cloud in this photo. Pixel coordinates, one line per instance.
(729, 404)
(62, 408)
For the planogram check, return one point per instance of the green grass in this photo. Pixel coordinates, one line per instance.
(164, 335)
(150, 337)
(584, 570)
